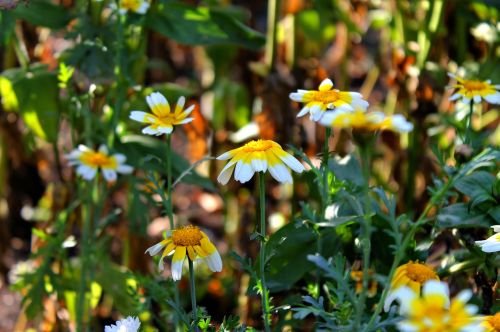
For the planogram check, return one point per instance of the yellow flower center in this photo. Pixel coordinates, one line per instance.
(97, 159)
(495, 321)
(257, 146)
(130, 4)
(475, 85)
(420, 272)
(187, 236)
(326, 97)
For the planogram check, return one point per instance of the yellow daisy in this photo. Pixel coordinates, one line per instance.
(188, 240)
(162, 121)
(492, 323)
(317, 102)
(88, 162)
(433, 312)
(413, 275)
(258, 156)
(368, 121)
(474, 90)
(491, 244)
(136, 6)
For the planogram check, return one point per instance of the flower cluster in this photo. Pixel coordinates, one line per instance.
(129, 324)
(333, 108)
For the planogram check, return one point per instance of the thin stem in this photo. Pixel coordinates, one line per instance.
(366, 235)
(120, 75)
(262, 258)
(469, 123)
(170, 215)
(193, 295)
(402, 249)
(273, 7)
(84, 259)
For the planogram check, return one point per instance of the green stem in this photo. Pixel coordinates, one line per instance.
(469, 123)
(84, 259)
(366, 234)
(193, 295)
(273, 7)
(406, 242)
(262, 258)
(170, 215)
(119, 75)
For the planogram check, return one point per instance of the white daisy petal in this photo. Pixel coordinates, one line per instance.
(149, 130)
(326, 85)
(154, 250)
(177, 269)
(214, 262)
(109, 174)
(303, 111)
(297, 96)
(293, 163)
(281, 173)
(140, 116)
(86, 172)
(125, 169)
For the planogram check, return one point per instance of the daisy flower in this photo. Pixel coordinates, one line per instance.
(136, 6)
(474, 90)
(491, 323)
(258, 156)
(188, 240)
(413, 275)
(433, 312)
(368, 121)
(326, 98)
(88, 162)
(357, 276)
(129, 324)
(162, 120)
(491, 244)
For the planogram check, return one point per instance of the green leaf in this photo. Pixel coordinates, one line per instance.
(43, 13)
(289, 264)
(202, 26)
(36, 94)
(477, 183)
(347, 169)
(458, 215)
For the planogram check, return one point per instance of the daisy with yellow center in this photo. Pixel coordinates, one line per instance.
(474, 90)
(88, 162)
(492, 323)
(162, 120)
(258, 156)
(413, 275)
(136, 6)
(326, 98)
(366, 121)
(433, 312)
(491, 244)
(188, 240)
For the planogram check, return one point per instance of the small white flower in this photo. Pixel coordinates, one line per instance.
(491, 244)
(88, 162)
(129, 324)
(485, 32)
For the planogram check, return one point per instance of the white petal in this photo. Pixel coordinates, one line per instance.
(455, 96)
(466, 100)
(103, 149)
(404, 295)
(139, 116)
(493, 98)
(326, 85)
(86, 172)
(491, 247)
(477, 99)
(464, 296)
(188, 110)
(293, 163)
(435, 287)
(259, 165)
(471, 309)
(452, 75)
(226, 155)
(281, 173)
(297, 96)
(225, 174)
(243, 171)
(496, 228)
(143, 8)
(303, 111)
(154, 250)
(344, 108)
(214, 262)
(150, 131)
(177, 270)
(186, 120)
(109, 174)
(125, 169)
(165, 129)
(407, 327)
(158, 99)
